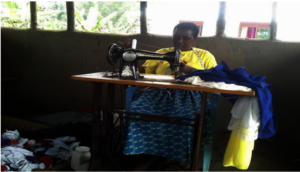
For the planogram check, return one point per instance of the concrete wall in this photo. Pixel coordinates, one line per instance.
(45, 60)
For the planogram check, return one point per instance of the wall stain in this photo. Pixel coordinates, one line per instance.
(98, 41)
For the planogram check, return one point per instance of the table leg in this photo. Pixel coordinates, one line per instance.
(110, 128)
(199, 133)
(95, 151)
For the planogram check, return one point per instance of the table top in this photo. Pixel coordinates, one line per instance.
(153, 80)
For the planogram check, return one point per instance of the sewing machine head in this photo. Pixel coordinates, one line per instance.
(129, 57)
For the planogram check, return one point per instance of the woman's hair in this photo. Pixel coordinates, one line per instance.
(189, 26)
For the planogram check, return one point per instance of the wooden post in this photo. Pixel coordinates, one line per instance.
(33, 18)
(143, 19)
(273, 25)
(95, 149)
(221, 19)
(70, 16)
(198, 133)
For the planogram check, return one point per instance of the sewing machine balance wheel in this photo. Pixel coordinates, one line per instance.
(111, 54)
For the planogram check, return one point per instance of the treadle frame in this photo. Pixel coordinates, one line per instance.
(102, 131)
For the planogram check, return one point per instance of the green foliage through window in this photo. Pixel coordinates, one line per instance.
(263, 33)
(119, 17)
(52, 15)
(15, 14)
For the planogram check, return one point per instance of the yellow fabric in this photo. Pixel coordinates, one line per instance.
(188, 57)
(238, 152)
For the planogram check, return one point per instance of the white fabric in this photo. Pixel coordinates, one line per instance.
(29, 166)
(7, 167)
(195, 80)
(15, 135)
(245, 118)
(15, 157)
(42, 166)
(22, 141)
(15, 151)
(64, 154)
(12, 135)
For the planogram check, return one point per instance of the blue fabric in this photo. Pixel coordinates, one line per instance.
(222, 73)
(168, 140)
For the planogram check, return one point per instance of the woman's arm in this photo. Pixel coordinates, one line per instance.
(140, 67)
(186, 69)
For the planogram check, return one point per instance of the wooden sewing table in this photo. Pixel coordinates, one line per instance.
(102, 133)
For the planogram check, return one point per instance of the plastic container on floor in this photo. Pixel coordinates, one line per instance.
(81, 158)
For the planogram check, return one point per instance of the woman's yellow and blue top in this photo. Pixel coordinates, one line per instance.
(187, 57)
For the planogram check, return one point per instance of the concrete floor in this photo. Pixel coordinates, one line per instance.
(274, 154)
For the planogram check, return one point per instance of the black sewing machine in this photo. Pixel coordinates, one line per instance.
(129, 57)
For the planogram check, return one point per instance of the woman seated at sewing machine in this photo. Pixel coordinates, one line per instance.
(168, 143)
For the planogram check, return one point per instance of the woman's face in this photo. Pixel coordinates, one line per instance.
(183, 39)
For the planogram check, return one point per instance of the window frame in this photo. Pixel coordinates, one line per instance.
(221, 23)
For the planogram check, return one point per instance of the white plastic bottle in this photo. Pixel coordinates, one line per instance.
(81, 158)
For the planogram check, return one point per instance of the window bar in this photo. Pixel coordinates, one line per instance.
(70, 16)
(221, 19)
(273, 25)
(143, 19)
(33, 23)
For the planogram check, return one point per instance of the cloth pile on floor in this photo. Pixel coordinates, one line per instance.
(21, 154)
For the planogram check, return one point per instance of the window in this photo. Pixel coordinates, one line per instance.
(254, 30)
(119, 17)
(288, 24)
(15, 14)
(243, 19)
(263, 33)
(51, 15)
(164, 15)
(246, 19)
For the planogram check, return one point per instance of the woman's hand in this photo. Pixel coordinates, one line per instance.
(126, 44)
(186, 69)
